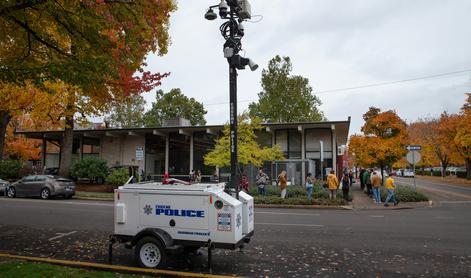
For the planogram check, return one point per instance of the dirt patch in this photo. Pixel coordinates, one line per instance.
(86, 187)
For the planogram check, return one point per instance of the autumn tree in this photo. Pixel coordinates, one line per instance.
(96, 48)
(174, 104)
(462, 138)
(285, 97)
(384, 139)
(127, 113)
(420, 133)
(248, 150)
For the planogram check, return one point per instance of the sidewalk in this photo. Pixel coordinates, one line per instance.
(362, 201)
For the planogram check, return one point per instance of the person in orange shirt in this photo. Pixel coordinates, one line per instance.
(283, 183)
(333, 184)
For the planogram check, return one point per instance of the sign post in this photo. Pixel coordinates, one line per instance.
(413, 156)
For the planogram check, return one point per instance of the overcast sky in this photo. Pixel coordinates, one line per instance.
(336, 44)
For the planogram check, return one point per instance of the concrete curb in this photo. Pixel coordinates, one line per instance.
(304, 206)
(348, 207)
(113, 268)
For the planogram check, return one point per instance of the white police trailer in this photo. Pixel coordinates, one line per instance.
(157, 219)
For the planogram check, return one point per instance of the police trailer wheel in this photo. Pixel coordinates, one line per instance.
(45, 193)
(11, 193)
(150, 252)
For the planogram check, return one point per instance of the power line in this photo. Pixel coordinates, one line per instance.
(366, 86)
(392, 82)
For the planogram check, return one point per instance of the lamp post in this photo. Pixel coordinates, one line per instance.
(235, 12)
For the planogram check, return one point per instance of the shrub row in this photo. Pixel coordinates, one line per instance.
(405, 194)
(10, 169)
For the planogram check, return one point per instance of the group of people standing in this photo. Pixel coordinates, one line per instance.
(370, 183)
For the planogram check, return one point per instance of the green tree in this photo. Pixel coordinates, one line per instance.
(127, 114)
(248, 150)
(285, 97)
(174, 104)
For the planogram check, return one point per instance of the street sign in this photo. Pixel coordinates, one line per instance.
(139, 153)
(414, 148)
(413, 157)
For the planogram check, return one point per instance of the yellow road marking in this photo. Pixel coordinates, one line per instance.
(116, 268)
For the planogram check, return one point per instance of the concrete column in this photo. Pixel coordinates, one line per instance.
(167, 149)
(81, 148)
(334, 149)
(303, 155)
(192, 144)
(43, 153)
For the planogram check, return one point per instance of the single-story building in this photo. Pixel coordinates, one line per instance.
(178, 148)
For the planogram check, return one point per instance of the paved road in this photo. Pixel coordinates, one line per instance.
(427, 242)
(439, 192)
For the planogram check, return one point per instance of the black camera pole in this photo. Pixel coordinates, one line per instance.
(233, 111)
(233, 31)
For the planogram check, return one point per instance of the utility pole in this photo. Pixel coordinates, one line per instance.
(235, 12)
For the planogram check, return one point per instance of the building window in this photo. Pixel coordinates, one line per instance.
(91, 147)
(155, 155)
(290, 142)
(179, 154)
(203, 143)
(263, 138)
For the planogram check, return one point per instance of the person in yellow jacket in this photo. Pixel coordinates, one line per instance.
(333, 184)
(390, 186)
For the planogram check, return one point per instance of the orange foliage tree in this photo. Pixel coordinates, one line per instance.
(420, 133)
(92, 50)
(462, 138)
(383, 142)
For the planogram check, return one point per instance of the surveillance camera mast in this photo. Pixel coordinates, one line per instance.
(235, 12)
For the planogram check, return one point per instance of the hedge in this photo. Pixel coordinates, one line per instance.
(10, 169)
(118, 177)
(91, 168)
(296, 195)
(405, 194)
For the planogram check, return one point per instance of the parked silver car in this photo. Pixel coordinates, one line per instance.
(43, 186)
(3, 186)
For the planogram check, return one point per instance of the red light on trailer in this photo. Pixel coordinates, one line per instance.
(211, 199)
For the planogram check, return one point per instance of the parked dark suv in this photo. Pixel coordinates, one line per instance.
(43, 186)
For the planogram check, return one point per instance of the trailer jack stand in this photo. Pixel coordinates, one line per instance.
(210, 257)
(111, 241)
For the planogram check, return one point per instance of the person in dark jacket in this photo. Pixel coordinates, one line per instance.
(345, 186)
(362, 181)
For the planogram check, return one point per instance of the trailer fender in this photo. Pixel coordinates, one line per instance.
(160, 234)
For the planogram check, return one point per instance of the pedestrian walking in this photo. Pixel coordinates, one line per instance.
(245, 183)
(333, 184)
(309, 185)
(376, 183)
(346, 183)
(282, 181)
(367, 181)
(362, 180)
(350, 177)
(261, 180)
(390, 187)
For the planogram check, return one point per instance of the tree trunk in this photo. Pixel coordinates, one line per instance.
(4, 120)
(468, 168)
(444, 166)
(66, 147)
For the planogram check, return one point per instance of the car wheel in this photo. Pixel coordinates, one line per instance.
(11, 192)
(150, 253)
(45, 193)
(100, 181)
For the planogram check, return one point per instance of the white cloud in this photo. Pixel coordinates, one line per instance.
(335, 44)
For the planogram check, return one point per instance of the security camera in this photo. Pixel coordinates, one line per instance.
(252, 65)
(210, 14)
(223, 7)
